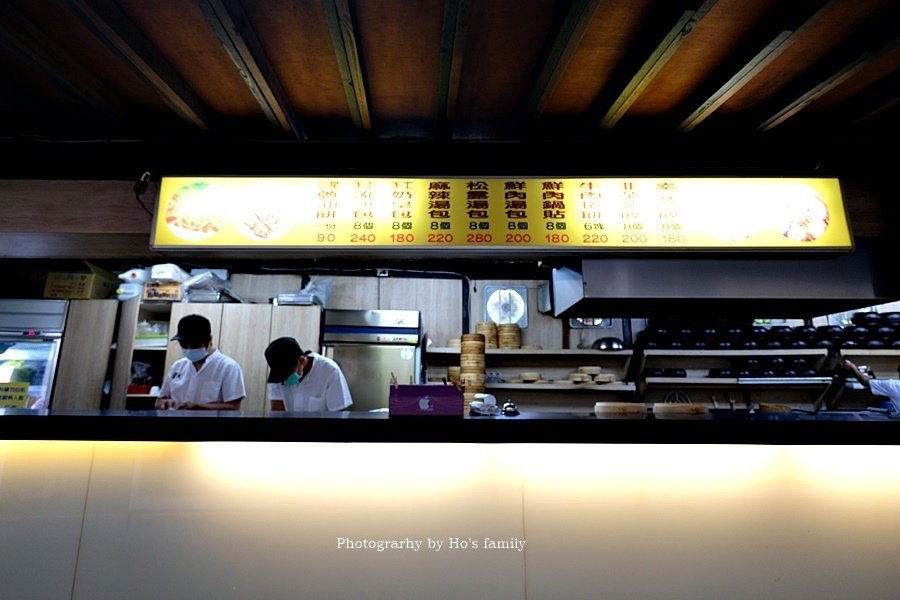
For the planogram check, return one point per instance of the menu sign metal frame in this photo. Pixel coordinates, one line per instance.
(501, 214)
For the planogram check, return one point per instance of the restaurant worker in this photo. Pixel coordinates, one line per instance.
(878, 387)
(204, 379)
(304, 381)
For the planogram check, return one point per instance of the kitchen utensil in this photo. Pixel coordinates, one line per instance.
(608, 343)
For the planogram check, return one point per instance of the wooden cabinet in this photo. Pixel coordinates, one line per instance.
(242, 331)
(132, 348)
(84, 354)
(554, 390)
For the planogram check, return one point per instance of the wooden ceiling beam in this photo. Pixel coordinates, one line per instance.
(557, 58)
(815, 93)
(746, 74)
(25, 40)
(341, 18)
(830, 83)
(453, 45)
(879, 102)
(654, 64)
(126, 40)
(232, 26)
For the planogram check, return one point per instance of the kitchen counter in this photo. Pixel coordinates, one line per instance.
(717, 427)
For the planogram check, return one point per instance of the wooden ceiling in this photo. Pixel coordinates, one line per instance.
(718, 75)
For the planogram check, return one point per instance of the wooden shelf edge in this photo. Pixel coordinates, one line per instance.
(556, 387)
(541, 352)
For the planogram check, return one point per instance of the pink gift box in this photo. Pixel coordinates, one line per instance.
(425, 400)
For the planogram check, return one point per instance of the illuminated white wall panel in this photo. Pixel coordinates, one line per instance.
(43, 487)
(262, 520)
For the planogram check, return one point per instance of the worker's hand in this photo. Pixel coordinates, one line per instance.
(164, 403)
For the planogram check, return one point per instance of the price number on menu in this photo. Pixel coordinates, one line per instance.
(479, 238)
(362, 238)
(594, 238)
(440, 238)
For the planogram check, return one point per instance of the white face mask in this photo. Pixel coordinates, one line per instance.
(194, 354)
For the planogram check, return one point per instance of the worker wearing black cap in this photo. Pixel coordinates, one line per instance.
(204, 379)
(304, 381)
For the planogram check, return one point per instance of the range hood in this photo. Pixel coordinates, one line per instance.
(694, 285)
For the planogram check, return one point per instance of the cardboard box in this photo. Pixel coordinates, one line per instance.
(425, 400)
(94, 283)
(168, 291)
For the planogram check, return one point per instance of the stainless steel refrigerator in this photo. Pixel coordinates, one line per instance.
(30, 338)
(372, 347)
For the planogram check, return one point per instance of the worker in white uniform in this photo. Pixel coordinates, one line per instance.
(204, 378)
(304, 381)
(878, 387)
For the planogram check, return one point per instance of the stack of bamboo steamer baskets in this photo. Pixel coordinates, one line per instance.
(509, 335)
(471, 366)
(489, 330)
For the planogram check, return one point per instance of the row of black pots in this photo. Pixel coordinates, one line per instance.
(774, 366)
(707, 336)
(772, 344)
(748, 373)
(873, 318)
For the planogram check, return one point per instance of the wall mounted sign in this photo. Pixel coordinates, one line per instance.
(505, 214)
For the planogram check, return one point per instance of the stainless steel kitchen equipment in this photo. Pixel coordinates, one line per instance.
(30, 338)
(373, 347)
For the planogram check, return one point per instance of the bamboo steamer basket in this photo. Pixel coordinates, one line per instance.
(662, 408)
(637, 409)
(472, 347)
(471, 353)
(473, 381)
(471, 366)
(509, 335)
(472, 363)
(489, 330)
(472, 337)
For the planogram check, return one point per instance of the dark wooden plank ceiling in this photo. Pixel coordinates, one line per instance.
(814, 73)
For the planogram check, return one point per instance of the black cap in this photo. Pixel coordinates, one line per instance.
(193, 328)
(282, 356)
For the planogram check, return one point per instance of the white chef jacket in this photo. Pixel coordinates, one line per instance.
(887, 387)
(220, 379)
(324, 389)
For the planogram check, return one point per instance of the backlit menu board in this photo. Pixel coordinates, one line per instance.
(501, 213)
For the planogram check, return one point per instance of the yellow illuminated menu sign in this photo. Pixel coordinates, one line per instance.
(501, 213)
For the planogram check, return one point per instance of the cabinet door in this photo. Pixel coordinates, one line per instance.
(303, 323)
(244, 336)
(128, 319)
(85, 353)
(439, 301)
